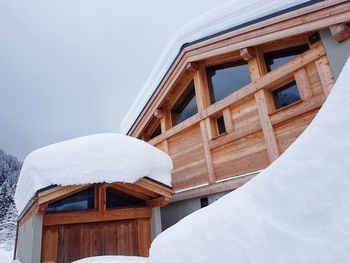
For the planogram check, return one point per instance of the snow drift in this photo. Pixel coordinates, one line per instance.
(91, 159)
(297, 210)
(226, 16)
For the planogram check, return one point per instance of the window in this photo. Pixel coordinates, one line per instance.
(204, 202)
(116, 198)
(220, 122)
(186, 105)
(81, 201)
(277, 58)
(226, 79)
(286, 95)
(156, 132)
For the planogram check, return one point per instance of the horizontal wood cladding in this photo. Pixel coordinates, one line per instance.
(244, 155)
(187, 152)
(287, 132)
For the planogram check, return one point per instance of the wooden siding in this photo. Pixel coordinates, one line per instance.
(256, 132)
(66, 243)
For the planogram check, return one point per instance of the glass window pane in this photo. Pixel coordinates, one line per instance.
(277, 58)
(186, 105)
(221, 125)
(116, 198)
(156, 132)
(80, 201)
(286, 95)
(226, 79)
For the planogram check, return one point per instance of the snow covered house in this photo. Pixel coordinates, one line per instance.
(90, 196)
(235, 89)
(229, 95)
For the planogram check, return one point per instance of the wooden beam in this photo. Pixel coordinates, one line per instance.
(60, 192)
(226, 113)
(102, 202)
(154, 187)
(144, 236)
(121, 187)
(192, 67)
(138, 189)
(218, 187)
(340, 32)
(246, 53)
(303, 83)
(325, 73)
(201, 87)
(235, 135)
(207, 153)
(159, 113)
(158, 202)
(87, 216)
(262, 101)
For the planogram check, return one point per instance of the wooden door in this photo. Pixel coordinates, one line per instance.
(77, 241)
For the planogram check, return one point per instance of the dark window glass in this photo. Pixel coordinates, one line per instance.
(221, 125)
(204, 202)
(80, 201)
(186, 105)
(226, 79)
(116, 198)
(286, 95)
(156, 132)
(277, 58)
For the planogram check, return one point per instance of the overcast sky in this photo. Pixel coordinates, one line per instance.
(70, 68)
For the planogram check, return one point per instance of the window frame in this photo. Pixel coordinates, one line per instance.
(220, 66)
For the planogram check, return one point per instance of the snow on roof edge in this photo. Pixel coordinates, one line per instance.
(91, 159)
(219, 20)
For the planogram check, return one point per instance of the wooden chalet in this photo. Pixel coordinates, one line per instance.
(229, 105)
(232, 103)
(67, 223)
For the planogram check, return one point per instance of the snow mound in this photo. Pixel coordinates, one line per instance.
(296, 210)
(224, 17)
(91, 159)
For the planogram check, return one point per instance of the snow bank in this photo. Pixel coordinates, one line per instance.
(6, 256)
(224, 17)
(91, 159)
(297, 210)
(113, 259)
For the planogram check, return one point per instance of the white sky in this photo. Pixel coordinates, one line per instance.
(71, 68)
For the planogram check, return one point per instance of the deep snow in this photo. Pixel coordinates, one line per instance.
(233, 13)
(91, 159)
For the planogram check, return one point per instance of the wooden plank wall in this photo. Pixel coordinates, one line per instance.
(257, 133)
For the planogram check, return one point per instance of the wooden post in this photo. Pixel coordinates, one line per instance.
(325, 73)
(226, 113)
(303, 83)
(262, 101)
(206, 126)
(257, 68)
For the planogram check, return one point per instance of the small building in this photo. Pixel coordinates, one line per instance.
(60, 224)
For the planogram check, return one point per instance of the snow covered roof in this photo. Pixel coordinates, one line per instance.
(296, 210)
(91, 159)
(225, 18)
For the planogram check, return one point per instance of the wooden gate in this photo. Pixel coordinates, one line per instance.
(66, 243)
